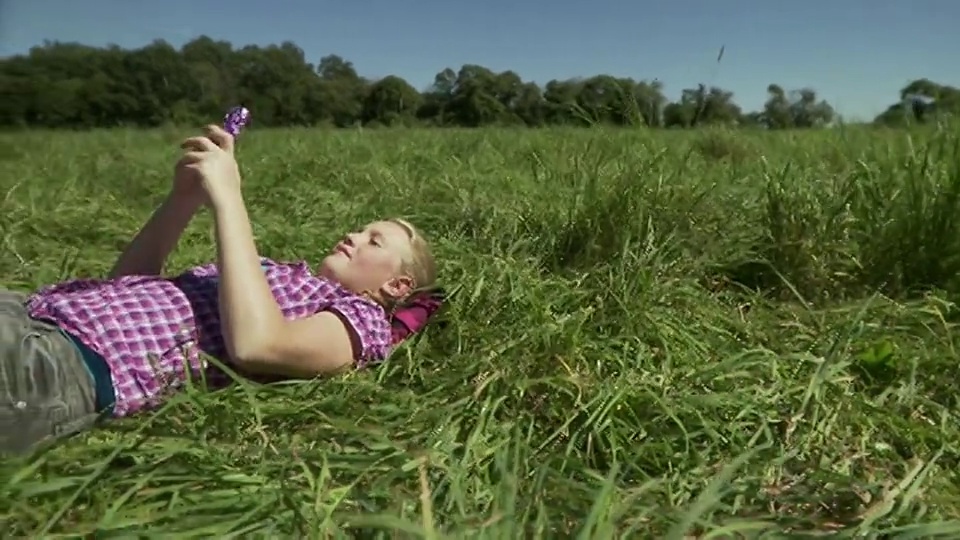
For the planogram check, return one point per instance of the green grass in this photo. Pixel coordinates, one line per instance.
(655, 334)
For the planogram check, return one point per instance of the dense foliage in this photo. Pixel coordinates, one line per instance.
(77, 86)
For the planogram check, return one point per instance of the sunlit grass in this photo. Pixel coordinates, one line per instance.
(653, 335)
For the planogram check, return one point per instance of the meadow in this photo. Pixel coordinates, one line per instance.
(698, 334)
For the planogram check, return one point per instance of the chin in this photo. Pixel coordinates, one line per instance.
(328, 267)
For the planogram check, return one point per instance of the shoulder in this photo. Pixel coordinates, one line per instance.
(365, 320)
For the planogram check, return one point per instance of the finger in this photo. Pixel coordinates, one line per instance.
(199, 144)
(189, 158)
(219, 136)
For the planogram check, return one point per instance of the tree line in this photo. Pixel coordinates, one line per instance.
(69, 85)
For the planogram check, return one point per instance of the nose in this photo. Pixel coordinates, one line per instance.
(350, 239)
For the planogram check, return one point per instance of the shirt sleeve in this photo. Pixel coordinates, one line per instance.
(211, 270)
(368, 326)
(206, 270)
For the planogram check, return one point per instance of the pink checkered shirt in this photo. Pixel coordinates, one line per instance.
(148, 328)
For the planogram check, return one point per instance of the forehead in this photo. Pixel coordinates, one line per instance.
(391, 232)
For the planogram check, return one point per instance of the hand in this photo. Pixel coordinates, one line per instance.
(187, 190)
(209, 164)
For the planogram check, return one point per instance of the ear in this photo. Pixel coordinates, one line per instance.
(398, 287)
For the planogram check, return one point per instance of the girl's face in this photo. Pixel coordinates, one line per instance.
(371, 260)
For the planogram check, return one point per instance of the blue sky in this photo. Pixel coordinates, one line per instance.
(856, 53)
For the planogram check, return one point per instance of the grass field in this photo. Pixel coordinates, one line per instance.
(668, 335)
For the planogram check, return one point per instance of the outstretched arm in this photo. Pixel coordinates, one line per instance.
(148, 251)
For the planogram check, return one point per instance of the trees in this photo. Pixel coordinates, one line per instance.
(702, 106)
(922, 101)
(76, 86)
(795, 109)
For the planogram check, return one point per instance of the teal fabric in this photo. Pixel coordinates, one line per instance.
(100, 371)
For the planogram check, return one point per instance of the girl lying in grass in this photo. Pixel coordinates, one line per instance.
(82, 350)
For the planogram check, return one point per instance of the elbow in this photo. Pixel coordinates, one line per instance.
(251, 351)
(278, 361)
(253, 341)
(305, 348)
(246, 356)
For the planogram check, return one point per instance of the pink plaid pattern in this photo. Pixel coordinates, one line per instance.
(151, 329)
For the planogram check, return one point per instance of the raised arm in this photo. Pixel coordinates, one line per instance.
(257, 336)
(149, 249)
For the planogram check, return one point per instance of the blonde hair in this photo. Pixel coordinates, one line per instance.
(420, 266)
